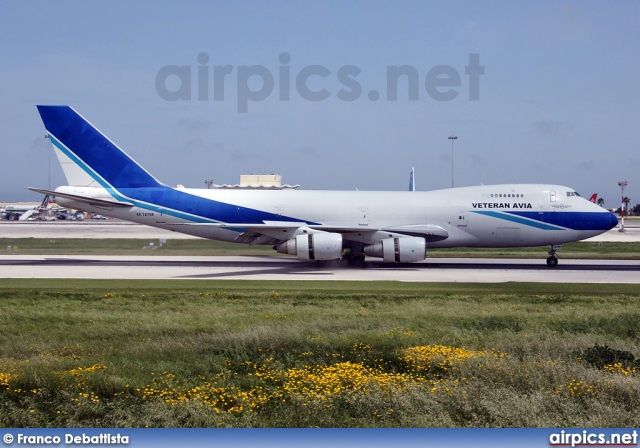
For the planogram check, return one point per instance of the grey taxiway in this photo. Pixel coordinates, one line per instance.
(280, 268)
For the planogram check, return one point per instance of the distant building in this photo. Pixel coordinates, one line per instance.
(259, 182)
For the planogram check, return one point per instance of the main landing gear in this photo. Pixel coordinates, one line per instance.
(552, 261)
(354, 256)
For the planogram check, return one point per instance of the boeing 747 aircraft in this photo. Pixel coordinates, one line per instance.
(397, 226)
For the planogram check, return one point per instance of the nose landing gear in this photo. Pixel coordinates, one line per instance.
(552, 261)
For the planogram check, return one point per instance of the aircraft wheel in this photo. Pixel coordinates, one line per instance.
(356, 260)
(552, 262)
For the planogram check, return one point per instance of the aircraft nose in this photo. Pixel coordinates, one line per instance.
(613, 220)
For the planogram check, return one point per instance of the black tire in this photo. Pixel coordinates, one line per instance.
(552, 262)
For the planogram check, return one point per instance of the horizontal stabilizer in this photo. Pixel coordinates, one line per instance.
(83, 199)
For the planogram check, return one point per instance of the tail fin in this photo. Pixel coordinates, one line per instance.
(45, 203)
(87, 156)
(593, 198)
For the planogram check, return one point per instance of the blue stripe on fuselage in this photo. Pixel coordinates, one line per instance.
(195, 208)
(600, 220)
(517, 219)
(557, 220)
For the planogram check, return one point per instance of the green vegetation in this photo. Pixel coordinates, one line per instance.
(328, 354)
(83, 246)
(201, 247)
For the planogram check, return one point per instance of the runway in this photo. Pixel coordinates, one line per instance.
(278, 268)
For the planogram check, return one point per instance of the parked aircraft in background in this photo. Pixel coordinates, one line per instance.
(22, 212)
(594, 198)
(412, 180)
(317, 225)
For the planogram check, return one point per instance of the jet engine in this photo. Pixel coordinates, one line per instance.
(314, 246)
(402, 250)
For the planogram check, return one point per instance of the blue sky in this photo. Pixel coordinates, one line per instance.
(557, 102)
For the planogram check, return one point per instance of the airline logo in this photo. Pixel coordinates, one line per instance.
(514, 205)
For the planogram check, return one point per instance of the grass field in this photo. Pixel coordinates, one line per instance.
(327, 354)
(201, 247)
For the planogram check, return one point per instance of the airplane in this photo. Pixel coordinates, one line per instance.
(397, 226)
(21, 212)
(594, 198)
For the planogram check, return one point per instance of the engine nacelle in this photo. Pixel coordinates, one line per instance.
(314, 246)
(402, 250)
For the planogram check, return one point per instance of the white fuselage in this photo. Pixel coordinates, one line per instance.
(472, 216)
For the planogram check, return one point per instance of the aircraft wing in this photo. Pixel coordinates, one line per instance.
(429, 232)
(274, 231)
(268, 233)
(83, 199)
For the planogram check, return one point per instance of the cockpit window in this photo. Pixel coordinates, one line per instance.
(573, 193)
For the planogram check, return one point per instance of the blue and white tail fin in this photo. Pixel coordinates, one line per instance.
(88, 158)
